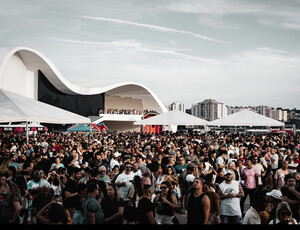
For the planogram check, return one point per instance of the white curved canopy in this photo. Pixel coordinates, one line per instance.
(246, 118)
(20, 64)
(174, 117)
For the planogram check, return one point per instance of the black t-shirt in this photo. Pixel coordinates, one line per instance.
(71, 186)
(110, 207)
(294, 207)
(145, 205)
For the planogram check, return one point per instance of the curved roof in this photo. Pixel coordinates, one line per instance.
(34, 61)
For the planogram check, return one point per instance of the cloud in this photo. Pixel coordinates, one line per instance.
(269, 13)
(253, 77)
(138, 46)
(268, 49)
(157, 28)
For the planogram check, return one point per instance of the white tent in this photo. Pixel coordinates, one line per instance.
(23, 125)
(173, 118)
(246, 118)
(17, 108)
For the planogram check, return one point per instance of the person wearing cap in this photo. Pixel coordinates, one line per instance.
(230, 191)
(115, 160)
(274, 198)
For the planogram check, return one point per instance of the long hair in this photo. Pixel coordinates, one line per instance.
(14, 191)
(117, 193)
(103, 188)
(21, 182)
(14, 172)
(168, 184)
(4, 166)
(138, 185)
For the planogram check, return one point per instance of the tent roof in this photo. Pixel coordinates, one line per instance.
(17, 108)
(246, 118)
(174, 117)
(79, 128)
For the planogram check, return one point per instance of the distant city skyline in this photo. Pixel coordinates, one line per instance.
(239, 52)
(233, 106)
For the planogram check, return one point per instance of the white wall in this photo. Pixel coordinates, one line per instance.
(117, 102)
(18, 79)
(122, 126)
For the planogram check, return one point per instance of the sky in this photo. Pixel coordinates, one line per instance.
(238, 52)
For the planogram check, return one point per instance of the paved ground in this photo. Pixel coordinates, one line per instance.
(182, 217)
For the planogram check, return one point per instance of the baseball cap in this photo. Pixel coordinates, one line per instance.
(116, 154)
(275, 193)
(227, 172)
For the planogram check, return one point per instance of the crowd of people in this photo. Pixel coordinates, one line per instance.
(125, 111)
(139, 178)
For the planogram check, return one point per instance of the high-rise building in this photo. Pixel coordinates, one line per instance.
(177, 106)
(277, 114)
(209, 109)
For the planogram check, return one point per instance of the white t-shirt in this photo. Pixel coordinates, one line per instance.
(138, 173)
(112, 163)
(263, 162)
(260, 169)
(124, 189)
(34, 185)
(251, 217)
(230, 206)
(220, 161)
(208, 166)
(274, 164)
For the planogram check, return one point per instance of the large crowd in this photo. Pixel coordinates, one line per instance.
(137, 178)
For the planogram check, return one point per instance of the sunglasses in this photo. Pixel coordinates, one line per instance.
(164, 187)
(37, 173)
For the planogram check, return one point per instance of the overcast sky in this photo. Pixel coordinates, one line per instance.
(238, 52)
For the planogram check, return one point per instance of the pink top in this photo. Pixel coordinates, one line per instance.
(279, 176)
(250, 174)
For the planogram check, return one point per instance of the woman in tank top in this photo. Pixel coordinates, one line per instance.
(165, 203)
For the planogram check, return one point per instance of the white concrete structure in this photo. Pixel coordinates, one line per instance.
(19, 73)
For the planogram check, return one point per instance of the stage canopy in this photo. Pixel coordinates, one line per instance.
(246, 118)
(174, 117)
